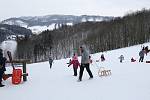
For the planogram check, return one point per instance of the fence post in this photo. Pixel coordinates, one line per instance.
(24, 71)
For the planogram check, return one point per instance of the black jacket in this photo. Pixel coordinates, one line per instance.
(2, 62)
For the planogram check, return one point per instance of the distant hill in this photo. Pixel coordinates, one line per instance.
(7, 31)
(40, 23)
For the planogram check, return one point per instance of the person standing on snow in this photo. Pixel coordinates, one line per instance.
(102, 57)
(75, 63)
(84, 63)
(141, 54)
(50, 61)
(121, 58)
(2, 66)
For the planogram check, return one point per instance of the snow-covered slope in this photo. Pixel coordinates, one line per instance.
(129, 81)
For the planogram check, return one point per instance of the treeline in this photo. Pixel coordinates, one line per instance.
(129, 30)
(120, 32)
(35, 47)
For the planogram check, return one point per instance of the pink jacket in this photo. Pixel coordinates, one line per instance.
(75, 62)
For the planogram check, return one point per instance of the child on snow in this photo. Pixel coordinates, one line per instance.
(121, 58)
(90, 60)
(132, 59)
(75, 63)
(102, 57)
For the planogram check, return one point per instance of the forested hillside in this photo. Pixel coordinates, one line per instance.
(120, 32)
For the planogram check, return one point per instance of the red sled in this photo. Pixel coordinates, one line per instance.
(16, 76)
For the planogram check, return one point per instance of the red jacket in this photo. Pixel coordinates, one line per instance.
(75, 63)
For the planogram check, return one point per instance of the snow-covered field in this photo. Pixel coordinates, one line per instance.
(129, 81)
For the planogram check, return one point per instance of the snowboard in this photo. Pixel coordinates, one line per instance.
(17, 73)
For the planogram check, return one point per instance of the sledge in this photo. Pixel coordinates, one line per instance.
(16, 76)
(147, 61)
(104, 72)
(17, 73)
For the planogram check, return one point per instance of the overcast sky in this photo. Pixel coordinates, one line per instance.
(17, 8)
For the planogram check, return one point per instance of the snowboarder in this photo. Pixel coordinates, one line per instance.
(50, 61)
(2, 67)
(121, 58)
(75, 63)
(141, 54)
(84, 63)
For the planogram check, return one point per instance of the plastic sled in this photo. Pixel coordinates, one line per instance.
(16, 76)
(147, 61)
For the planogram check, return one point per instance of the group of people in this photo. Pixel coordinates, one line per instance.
(85, 63)
(144, 51)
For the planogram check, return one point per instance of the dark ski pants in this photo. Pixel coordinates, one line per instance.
(50, 65)
(141, 59)
(1, 75)
(75, 71)
(87, 69)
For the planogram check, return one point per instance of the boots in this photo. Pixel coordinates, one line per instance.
(1, 85)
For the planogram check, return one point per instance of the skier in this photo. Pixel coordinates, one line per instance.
(141, 54)
(2, 67)
(75, 63)
(50, 61)
(84, 63)
(121, 58)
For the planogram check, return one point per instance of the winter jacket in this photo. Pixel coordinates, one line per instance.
(141, 53)
(2, 62)
(84, 56)
(50, 60)
(75, 63)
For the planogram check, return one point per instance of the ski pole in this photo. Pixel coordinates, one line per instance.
(10, 58)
